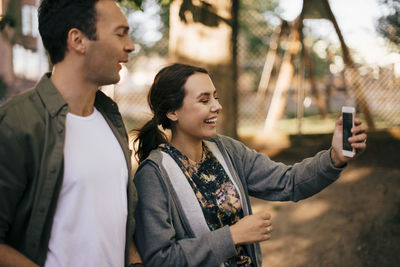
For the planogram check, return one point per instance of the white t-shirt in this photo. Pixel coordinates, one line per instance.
(90, 222)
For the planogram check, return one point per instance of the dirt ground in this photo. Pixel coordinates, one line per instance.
(353, 222)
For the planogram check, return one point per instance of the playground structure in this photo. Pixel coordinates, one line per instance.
(293, 33)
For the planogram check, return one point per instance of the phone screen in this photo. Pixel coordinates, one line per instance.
(347, 124)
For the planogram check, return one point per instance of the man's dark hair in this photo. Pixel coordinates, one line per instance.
(57, 17)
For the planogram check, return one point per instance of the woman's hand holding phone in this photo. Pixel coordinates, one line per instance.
(344, 147)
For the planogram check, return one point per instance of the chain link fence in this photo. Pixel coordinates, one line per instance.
(379, 88)
(131, 92)
(373, 89)
(380, 93)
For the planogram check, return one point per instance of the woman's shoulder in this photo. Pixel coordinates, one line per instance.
(150, 166)
(228, 143)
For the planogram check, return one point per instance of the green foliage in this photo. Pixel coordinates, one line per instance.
(12, 16)
(137, 4)
(7, 20)
(152, 17)
(320, 65)
(134, 4)
(255, 32)
(389, 25)
(253, 25)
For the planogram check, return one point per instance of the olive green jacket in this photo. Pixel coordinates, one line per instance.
(32, 135)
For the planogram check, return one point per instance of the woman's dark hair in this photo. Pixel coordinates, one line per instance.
(166, 94)
(57, 17)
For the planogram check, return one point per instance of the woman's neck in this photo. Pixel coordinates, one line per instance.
(193, 149)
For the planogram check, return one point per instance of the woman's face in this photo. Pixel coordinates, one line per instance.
(197, 118)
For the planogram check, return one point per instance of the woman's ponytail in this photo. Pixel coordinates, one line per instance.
(149, 137)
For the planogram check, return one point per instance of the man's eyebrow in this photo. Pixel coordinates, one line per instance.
(123, 27)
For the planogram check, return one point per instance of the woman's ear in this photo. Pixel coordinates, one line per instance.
(172, 116)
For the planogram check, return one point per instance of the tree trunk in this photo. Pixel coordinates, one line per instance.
(286, 72)
(204, 33)
(351, 70)
(306, 57)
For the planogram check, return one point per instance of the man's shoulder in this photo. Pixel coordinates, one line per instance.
(18, 102)
(26, 98)
(22, 110)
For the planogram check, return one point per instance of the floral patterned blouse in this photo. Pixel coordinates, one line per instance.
(215, 192)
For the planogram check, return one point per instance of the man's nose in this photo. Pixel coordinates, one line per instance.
(130, 46)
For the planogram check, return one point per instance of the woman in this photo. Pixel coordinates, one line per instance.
(193, 189)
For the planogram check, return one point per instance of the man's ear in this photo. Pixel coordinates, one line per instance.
(76, 41)
(172, 116)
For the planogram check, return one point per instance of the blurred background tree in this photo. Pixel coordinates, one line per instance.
(389, 25)
(246, 31)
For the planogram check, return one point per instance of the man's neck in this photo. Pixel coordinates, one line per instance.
(76, 91)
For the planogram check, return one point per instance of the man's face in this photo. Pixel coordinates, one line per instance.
(112, 47)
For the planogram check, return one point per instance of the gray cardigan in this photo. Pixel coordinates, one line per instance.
(163, 233)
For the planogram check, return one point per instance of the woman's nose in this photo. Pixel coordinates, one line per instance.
(216, 107)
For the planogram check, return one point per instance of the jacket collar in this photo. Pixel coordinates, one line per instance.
(54, 101)
(50, 96)
(103, 102)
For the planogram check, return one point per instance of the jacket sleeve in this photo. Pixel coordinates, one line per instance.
(157, 229)
(270, 180)
(13, 176)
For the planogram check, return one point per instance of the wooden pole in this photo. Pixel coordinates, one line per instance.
(360, 96)
(284, 80)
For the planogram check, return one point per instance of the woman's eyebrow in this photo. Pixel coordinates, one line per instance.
(207, 94)
(203, 94)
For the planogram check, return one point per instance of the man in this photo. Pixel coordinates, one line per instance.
(66, 191)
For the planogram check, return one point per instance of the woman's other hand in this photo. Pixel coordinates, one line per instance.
(252, 228)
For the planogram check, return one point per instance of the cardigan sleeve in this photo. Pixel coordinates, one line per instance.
(161, 238)
(270, 180)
